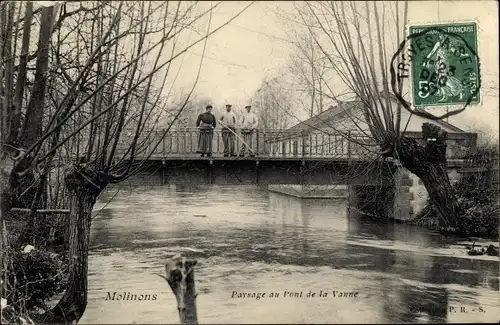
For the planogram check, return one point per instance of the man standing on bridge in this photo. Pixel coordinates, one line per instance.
(249, 123)
(206, 123)
(228, 122)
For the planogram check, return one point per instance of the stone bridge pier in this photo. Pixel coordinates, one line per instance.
(410, 193)
(401, 200)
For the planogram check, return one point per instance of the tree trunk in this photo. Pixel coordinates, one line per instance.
(6, 192)
(429, 164)
(84, 186)
(20, 191)
(32, 126)
(180, 278)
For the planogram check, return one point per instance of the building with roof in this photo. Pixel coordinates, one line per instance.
(342, 115)
(318, 135)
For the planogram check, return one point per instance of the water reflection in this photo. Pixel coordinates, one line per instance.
(247, 239)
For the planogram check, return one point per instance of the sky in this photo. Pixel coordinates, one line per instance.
(255, 46)
(239, 56)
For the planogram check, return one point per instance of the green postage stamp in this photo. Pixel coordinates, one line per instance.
(444, 65)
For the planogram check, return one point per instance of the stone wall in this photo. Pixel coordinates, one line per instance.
(403, 209)
(411, 196)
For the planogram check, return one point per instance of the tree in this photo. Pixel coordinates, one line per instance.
(194, 107)
(272, 101)
(353, 38)
(308, 67)
(104, 66)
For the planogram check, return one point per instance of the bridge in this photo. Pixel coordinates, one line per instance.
(282, 157)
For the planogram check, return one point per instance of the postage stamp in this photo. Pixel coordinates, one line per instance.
(444, 65)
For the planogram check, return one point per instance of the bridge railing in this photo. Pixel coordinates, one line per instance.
(281, 143)
(270, 143)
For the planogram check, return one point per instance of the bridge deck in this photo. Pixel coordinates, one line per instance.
(219, 158)
(271, 170)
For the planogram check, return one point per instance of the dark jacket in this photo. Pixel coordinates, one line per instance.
(206, 121)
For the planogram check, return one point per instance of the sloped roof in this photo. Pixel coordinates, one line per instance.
(325, 118)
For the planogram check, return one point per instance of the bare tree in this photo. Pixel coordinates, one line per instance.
(192, 108)
(272, 100)
(308, 70)
(105, 66)
(354, 37)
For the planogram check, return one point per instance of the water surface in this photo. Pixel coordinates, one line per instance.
(247, 240)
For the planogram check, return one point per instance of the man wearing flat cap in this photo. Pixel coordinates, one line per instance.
(228, 122)
(249, 123)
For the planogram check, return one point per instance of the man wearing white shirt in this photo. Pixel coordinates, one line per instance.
(228, 122)
(249, 123)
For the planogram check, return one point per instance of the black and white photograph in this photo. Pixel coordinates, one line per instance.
(249, 162)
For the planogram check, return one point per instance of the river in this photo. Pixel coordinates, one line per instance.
(247, 240)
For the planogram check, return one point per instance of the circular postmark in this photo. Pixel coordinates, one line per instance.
(441, 67)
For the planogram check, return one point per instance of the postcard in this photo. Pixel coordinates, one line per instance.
(240, 162)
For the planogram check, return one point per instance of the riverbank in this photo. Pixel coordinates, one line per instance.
(477, 192)
(479, 220)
